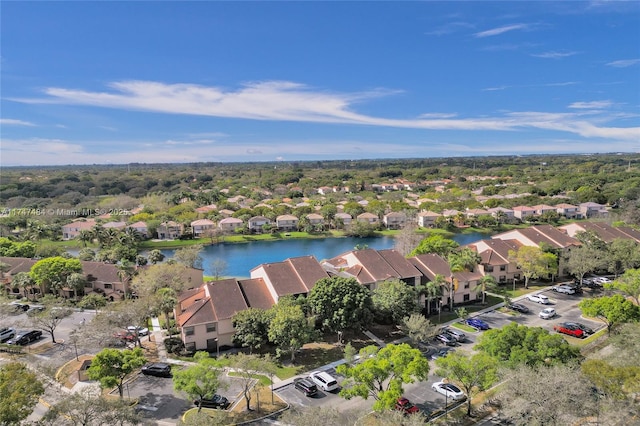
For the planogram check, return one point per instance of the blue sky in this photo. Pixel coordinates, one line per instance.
(122, 82)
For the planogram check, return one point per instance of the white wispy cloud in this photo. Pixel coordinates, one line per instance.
(553, 55)
(450, 28)
(501, 30)
(438, 115)
(623, 63)
(288, 101)
(520, 86)
(591, 105)
(14, 122)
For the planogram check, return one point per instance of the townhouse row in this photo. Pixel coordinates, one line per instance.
(204, 314)
(394, 220)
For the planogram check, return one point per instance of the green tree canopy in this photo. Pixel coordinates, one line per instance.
(628, 284)
(532, 261)
(289, 329)
(198, 381)
(437, 244)
(252, 328)
(382, 373)
(622, 254)
(111, 366)
(612, 310)
(189, 256)
(52, 272)
(340, 304)
(19, 392)
(473, 373)
(394, 300)
(518, 344)
(418, 328)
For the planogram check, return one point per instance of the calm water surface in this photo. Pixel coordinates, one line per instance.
(242, 257)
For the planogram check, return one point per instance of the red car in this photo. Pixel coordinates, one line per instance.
(406, 406)
(569, 329)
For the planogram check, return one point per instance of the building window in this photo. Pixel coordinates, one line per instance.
(465, 298)
(211, 327)
(190, 346)
(189, 331)
(488, 268)
(503, 278)
(88, 285)
(108, 286)
(466, 285)
(503, 267)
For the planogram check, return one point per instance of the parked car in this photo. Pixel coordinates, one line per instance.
(159, 369)
(142, 331)
(478, 324)
(35, 309)
(442, 352)
(538, 298)
(518, 307)
(19, 306)
(404, 405)
(571, 330)
(547, 313)
(6, 333)
(216, 401)
(565, 289)
(457, 334)
(447, 339)
(25, 337)
(325, 380)
(584, 328)
(602, 280)
(449, 390)
(306, 386)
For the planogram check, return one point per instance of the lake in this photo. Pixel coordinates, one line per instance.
(242, 257)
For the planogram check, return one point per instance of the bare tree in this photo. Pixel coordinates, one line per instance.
(407, 239)
(556, 395)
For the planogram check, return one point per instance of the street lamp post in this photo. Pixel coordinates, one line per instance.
(217, 348)
(439, 311)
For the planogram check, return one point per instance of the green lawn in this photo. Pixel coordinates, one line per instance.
(464, 327)
(521, 291)
(264, 380)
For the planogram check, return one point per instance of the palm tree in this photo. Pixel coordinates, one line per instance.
(85, 236)
(432, 290)
(22, 280)
(167, 301)
(488, 281)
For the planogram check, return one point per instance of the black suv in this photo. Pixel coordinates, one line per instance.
(159, 369)
(25, 337)
(306, 386)
(216, 401)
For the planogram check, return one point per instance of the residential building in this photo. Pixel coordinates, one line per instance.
(592, 210)
(315, 219)
(367, 217)
(73, 229)
(170, 230)
(202, 227)
(257, 223)
(294, 276)
(428, 219)
(141, 228)
(394, 220)
(523, 212)
(230, 224)
(287, 222)
(567, 210)
(344, 218)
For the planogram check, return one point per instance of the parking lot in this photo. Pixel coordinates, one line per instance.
(159, 401)
(565, 305)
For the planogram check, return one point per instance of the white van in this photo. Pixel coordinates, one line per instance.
(325, 381)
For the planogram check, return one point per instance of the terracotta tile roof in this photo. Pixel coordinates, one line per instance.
(283, 279)
(399, 263)
(256, 293)
(431, 264)
(227, 298)
(199, 312)
(18, 264)
(308, 270)
(561, 238)
(631, 232)
(375, 264)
